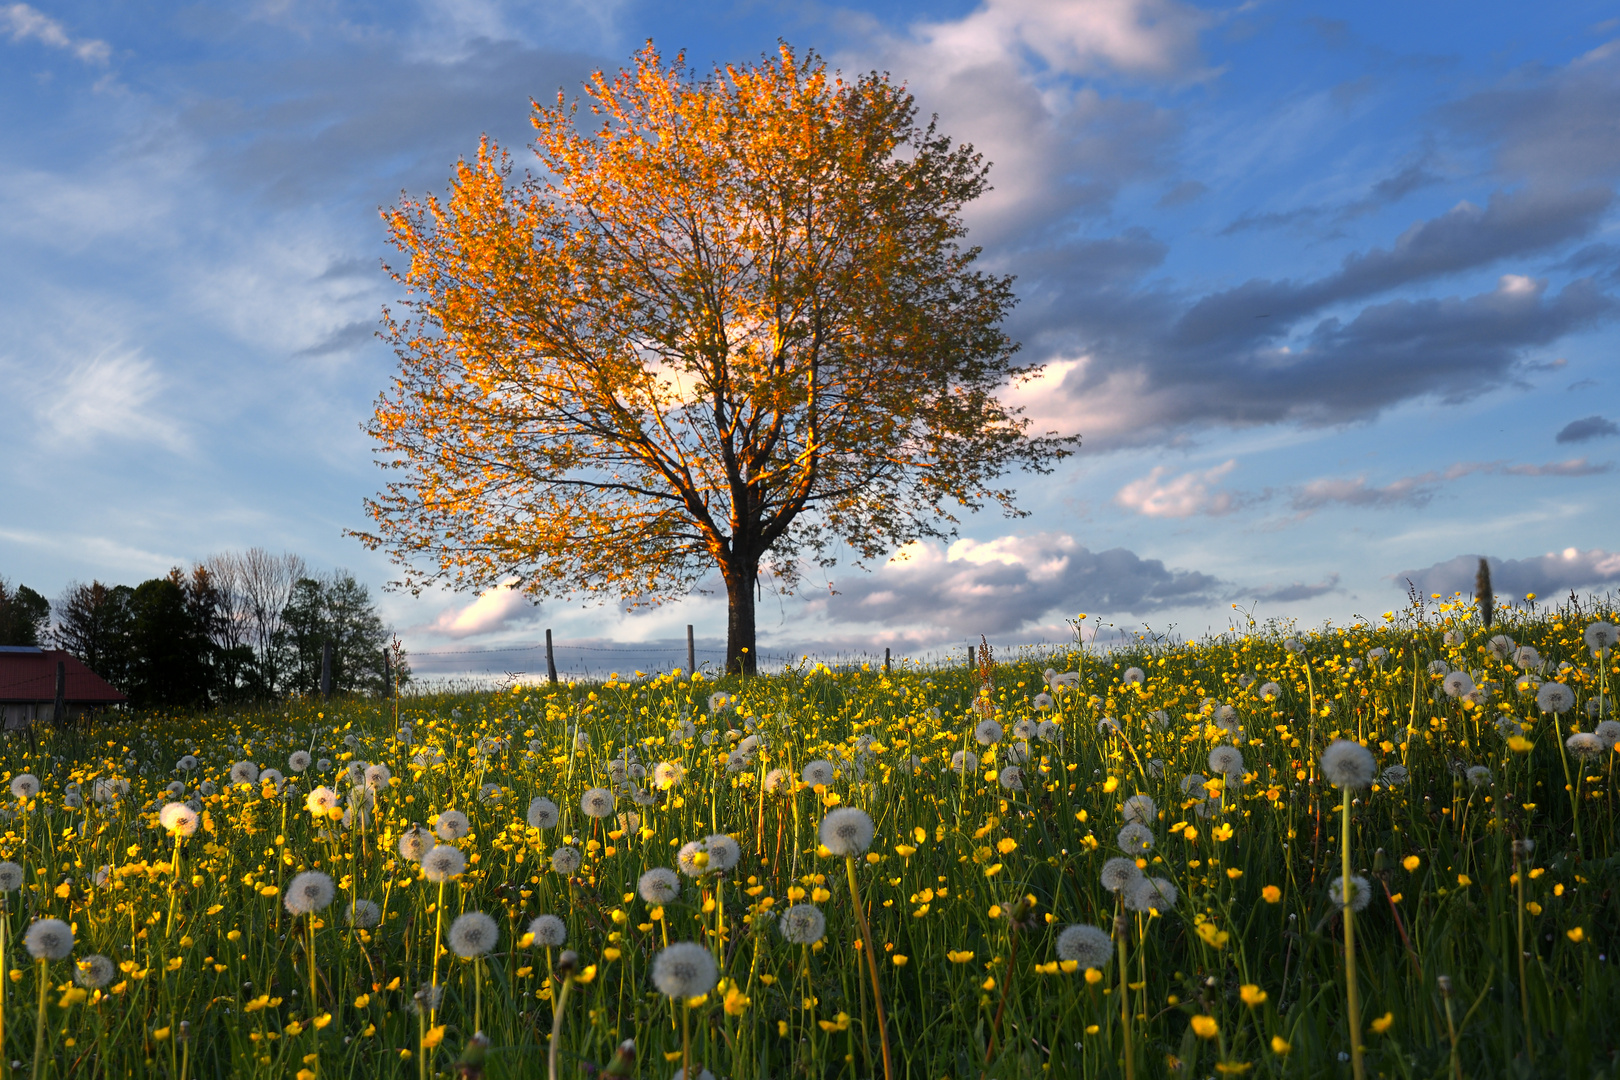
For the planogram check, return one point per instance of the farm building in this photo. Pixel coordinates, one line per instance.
(29, 678)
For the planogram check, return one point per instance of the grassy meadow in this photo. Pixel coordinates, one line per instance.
(1482, 850)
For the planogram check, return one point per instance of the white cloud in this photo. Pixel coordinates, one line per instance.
(114, 394)
(1182, 496)
(24, 23)
(1546, 575)
(1140, 37)
(492, 610)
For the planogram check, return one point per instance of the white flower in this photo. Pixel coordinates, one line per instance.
(549, 931)
(1135, 839)
(1043, 701)
(321, 802)
(1586, 745)
(1139, 808)
(1601, 637)
(94, 971)
(1526, 657)
(542, 813)
(1133, 675)
(818, 772)
(1501, 646)
(1226, 760)
(179, 819)
(272, 779)
(1394, 776)
(452, 825)
(1376, 655)
(1088, 946)
(965, 761)
(414, 843)
(723, 852)
(309, 892)
(323, 765)
(1270, 692)
(1457, 684)
(378, 777)
(719, 701)
(355, 773)
(1348, 764)
(1609, 732)
(1479, 776)
(49, 939)
(244, 772)
(363, 914)
(473, 934)
(693, 858)
(668, 774)
(1151, 894)
(846, 831)
(1118, 873)
(185, 764)
(1360, 892)
(566, 860)
(684, 970)
(597, 803)
(1067, 680)
(1049, 731)
(777, 780)
(25, 785)
(802, 924)
(987, 732)
(11, 877)
(1011, 778)
(1554, 697)
(443, 863)
(659, 885)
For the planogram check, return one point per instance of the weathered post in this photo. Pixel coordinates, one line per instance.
(388, 675)
(326, 669)
(691, 651)
(971, 662)
(551, 659)
(885, 661)
(59, 711)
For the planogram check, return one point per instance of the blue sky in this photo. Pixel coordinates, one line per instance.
(1329, 292)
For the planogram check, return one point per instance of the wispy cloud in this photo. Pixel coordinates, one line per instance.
(25, 23)
(116, 394)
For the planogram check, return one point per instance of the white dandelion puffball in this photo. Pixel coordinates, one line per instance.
(548, 931)
(49, 939)
(363, 914)
(1161, 719)
(378, 777)
(1048, 731)
(443, 863)
(185, 764)
(1024, 729)
(94, 971)
(272, 779)
(542, 813)
(777, 781)
(1135, 839)
(846, 831)
(309, 892)
(1107, 725)
(1139, 809)
(965, 761)
(1526, 657)
(1600, 637)
(659, 885)
(473, 934)
(629, 821)
(1066, 680)
(1501, 646)
(1270, 692)
(1011, 778)
(719, 701)
(1043, 701)
(323, 765)
(1438, 667)
(322, 801)
(668, 774)
(1377, 654)
(582, 740)
(355, 773)
(244, 772)
(1226, 760)
(1118, 873)
(1133, 675)
(1190, 782)
(1609, 732)
(1293, 645)
(1527, 684)
(802, 924)
(566, 860)
(414, 843)
(1586, 745)
(1151, 894)
(1394, 776)
(1554, 697)
(178, 818)
(11, 877)
(818, 772)
(1360, 892)
(452, 825)
(723, 852)
(25, 785)
(597, 802)
(693, 858)
(684, 970)
(1479, 776)
(1088, 946)
(1458, 684)
(1348, 764)
(987, 732)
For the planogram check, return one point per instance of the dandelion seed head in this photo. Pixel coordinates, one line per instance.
(1139, 809)
(965, 761)
(414, 843)
(49, 939)
(363, 914)
(309, 892)
(987, 732)
(549, 931)
(543, 813)
(1348, 764)
(1360, 892)
(660, 885)
(684, 970)
(1088, 946)
(802, 924)
(566, 860)
(1226, 760)
(1586, 745)
(846, 831)
(94, 971)
(179, 819)
(1554, 697)
(442, 863)
(818, 772)
(1011, 778)
(452, 825)
(1151, 894)
(244, 772)
(1135, 839)
(597, 803)
(473, 934)
(723, 852)
(1119, 873)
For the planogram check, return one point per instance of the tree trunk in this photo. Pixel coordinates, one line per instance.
(740, 578)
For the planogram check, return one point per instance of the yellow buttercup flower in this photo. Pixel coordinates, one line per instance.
(1383, 1023)
(1271, 894)
(1205, 1027)
(1251, 994)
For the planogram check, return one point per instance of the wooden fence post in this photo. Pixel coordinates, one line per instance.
(551, 659)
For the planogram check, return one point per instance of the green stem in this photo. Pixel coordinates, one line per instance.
(871, 966)
(1352, 1004)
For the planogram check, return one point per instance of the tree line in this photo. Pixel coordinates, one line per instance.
(236, 627)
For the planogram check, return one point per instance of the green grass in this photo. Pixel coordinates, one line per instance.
(955, 857)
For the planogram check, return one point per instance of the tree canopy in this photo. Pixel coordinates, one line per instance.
(728, 323)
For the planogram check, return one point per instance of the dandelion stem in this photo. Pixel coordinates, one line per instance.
(871, 966)
(1347, 894)
(39, 1027)
(557, 1018)
(1120, 933)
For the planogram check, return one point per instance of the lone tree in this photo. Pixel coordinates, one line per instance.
(729, 324)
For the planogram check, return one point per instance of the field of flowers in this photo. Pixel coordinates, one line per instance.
(1077, 864)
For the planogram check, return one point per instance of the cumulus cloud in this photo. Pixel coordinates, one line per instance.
(1180, 496)
(1001, 585)
(1545, 575)
(25, 23)
(494, 609)
(1591, 427)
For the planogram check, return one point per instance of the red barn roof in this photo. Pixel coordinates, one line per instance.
(29, 675)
